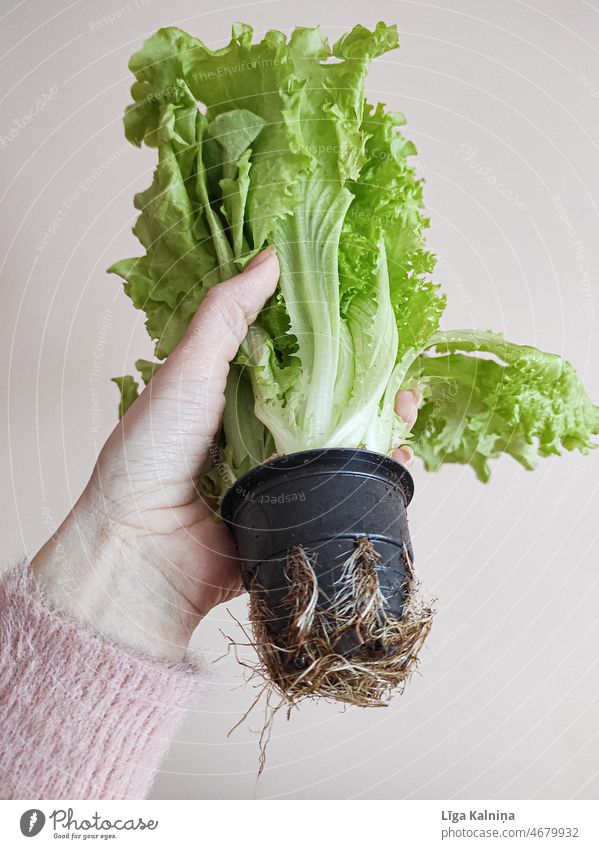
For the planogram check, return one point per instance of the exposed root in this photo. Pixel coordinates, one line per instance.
(302, 660)
(346, 648)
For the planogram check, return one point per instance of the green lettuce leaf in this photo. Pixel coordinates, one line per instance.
(524, 403)
(129, 389)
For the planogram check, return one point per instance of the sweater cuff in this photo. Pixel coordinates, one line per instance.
(80, 717)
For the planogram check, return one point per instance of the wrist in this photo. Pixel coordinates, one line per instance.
(94, 570)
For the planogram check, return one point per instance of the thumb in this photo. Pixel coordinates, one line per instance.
(176, 418)
(221, 324)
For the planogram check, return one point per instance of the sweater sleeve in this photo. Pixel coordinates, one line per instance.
(80, 717)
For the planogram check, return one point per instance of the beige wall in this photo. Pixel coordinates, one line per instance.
(506, 704)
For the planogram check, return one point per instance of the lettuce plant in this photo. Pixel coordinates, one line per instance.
(274, 143)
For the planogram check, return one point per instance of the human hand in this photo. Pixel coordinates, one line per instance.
(146, 560)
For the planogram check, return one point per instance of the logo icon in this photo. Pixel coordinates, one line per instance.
(32, 822)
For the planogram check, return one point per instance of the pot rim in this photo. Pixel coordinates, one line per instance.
(386, 467)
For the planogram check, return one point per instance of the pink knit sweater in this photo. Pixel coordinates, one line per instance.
(80, 717)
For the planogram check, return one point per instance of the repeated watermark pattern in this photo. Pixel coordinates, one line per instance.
(266, 498)
(222, 467)
(561, 498)
(510, 490)
(469, 155)
(95, 377)
(116, 14)
(240, 67)
(589, 87)
(222, 71)
(71, 200)
(60, 558)
(23, 121)
(453, 277)
(584, 269)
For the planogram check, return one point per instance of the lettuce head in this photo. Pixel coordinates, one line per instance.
(275, 143)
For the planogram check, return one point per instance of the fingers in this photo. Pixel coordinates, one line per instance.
(170, 428)
(407, 402)
(221, 323)
(403, 455)
(198, 367)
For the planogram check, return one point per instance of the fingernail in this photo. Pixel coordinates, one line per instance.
(407, 449)
(260, 258)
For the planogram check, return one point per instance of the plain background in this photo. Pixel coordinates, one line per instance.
(501, 92)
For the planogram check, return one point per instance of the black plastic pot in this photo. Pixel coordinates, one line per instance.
(323, 501)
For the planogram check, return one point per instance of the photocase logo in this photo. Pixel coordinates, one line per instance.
(32, 822)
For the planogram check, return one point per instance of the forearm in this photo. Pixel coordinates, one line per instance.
(93, 572)
(80, 716)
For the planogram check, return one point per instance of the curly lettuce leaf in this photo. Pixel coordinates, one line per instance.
(523, 402)
(388, 204)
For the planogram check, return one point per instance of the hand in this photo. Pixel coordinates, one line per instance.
(140, 557)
